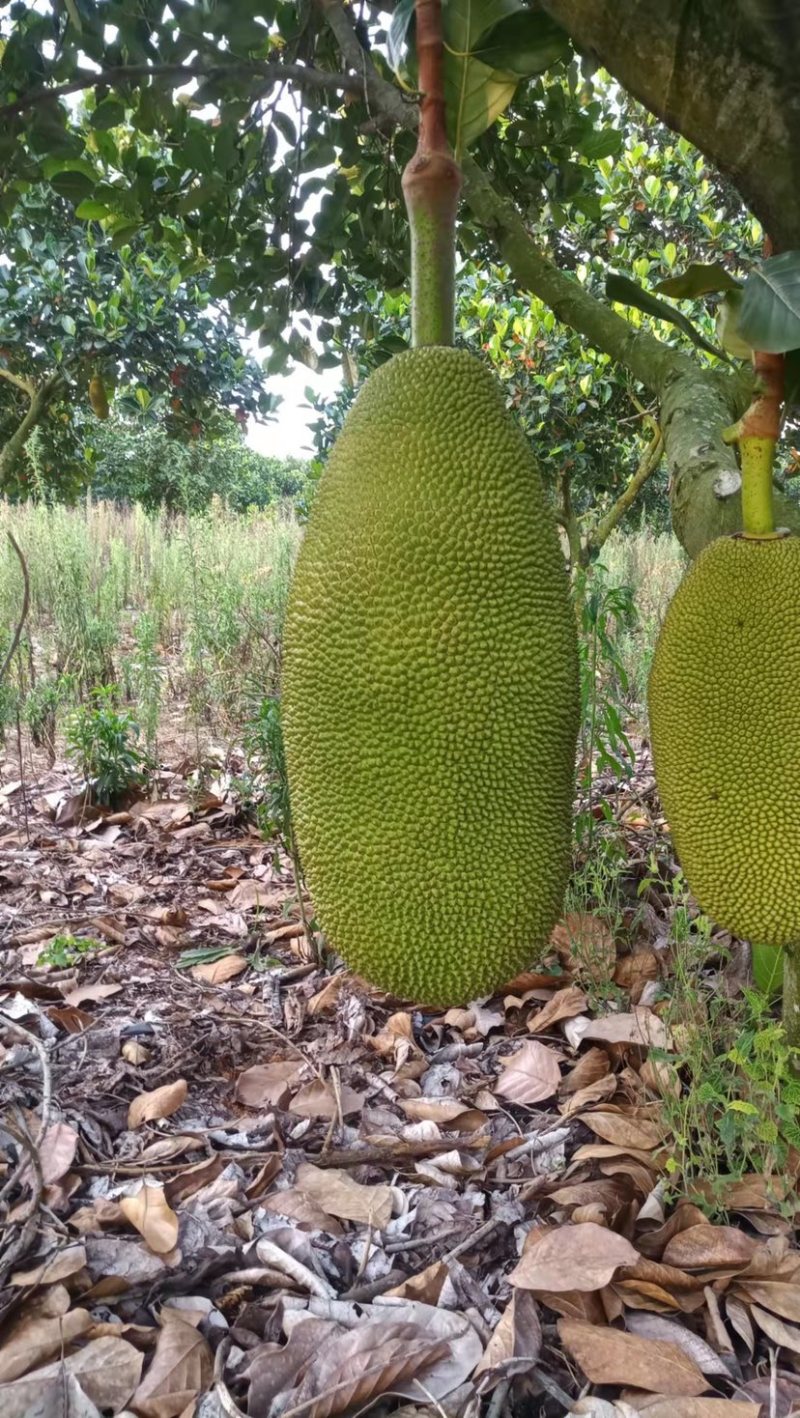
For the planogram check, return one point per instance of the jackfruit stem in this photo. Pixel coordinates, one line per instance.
(758, 514)
(791, 998)
(431, 187)
(758, 433)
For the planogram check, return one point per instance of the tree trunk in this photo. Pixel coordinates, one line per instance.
(39, 404)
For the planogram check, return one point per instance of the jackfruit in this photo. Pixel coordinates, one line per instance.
(430, 688)
(725, 731)
(98, 397)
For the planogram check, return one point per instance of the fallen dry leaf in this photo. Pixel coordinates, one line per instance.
(448, 1112)
(216, 972)
(776, 1329)
(160, 1103)
(269, 1085)
(107, 1369)
(515, 1345)
(565, 1004)
(580, 1257)
(59, 1266)
(657, 1327)
(83, 993)
(318, 1100)
(708, 1247)
(296, 1206)
(148, 1210)
(351, 1370)
(32, 1341)
(608, 1356)
(586, 943)
(640, 1027)
(530, 1075)
(773, 1295)
(622, 1130)
(338, 1194)
(181, 1368)
(660, 1406)
(56, 1153)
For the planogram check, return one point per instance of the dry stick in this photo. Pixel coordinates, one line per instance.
(26, 600)
(389, 1154)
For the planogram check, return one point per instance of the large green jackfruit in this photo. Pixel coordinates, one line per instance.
(724, 699)
(430, 688)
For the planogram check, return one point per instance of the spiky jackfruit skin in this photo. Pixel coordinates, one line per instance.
(430, 688)
(725, 728)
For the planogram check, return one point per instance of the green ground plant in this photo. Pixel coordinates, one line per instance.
(65, 951)
(735, 1111)
(102, 742)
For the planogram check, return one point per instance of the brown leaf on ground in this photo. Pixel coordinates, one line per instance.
(776, 1329)
(181, 1368)
(318, 1100)
(273, 1368)
(338, 1194)
(149, 1211)
(62, 1397)
(299, 1208)
(656, 1327)
(73, 1020)
(59, 1266)
(609, 1356)
(269, 1085)
(396, 1039)
(159, 1103)
(426, 1286)
(192, 1179)
(708, 1247)
(32, 1341)
(641, 1026)
(351, 1370)
(565, 1004)
(586, 944)
(515, 1345)
(56, 1154)
(601, 1091)
(623, 1130)
(83, 993)
(107, 1370)
(580, 1257)
(327, 997)
(773, 1295)
(447, 1112)
(216, 972)
(530, 1075)
(592, 1065)
(658, 1405)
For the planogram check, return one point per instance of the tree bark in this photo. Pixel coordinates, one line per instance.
(41, 400)
(721, 72)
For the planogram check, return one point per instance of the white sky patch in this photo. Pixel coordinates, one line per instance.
(288, 436)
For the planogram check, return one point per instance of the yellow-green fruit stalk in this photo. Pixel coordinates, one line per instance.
(724, 699)
(430, 688)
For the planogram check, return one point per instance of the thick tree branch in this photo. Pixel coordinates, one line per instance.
(730, 88)
(277, 73)
(19, 381)
(41, 400)
(696, 403)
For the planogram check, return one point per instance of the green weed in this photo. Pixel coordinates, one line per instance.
(101, 741)
(67, 950)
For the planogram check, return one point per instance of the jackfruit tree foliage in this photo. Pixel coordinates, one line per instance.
(430, 688)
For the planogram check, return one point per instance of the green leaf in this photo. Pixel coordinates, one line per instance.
(767, 969)
(605, 143)
(698, 280)
(523, 43)
(626, 292)
(108, 114)
(727, 325)
(397, 38)
(90, 211)
(770, 313)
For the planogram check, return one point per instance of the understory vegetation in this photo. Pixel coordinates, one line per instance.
(154, 636)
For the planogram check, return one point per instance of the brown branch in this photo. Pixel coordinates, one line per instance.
(649, 462)
(300, 74)
(20, 381)
(430, 56)
(23, 615)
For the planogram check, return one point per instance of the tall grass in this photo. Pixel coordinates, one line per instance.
(184, 614)
(173, 609)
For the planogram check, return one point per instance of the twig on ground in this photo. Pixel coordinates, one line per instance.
(389, 1154)
(361, 1294)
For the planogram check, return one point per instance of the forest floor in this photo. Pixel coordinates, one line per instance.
(236, 1181)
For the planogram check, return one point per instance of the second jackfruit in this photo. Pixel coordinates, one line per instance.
(725, 728)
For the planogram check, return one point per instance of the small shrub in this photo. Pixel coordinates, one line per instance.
(101, 741)
(67, 950)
